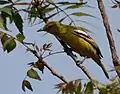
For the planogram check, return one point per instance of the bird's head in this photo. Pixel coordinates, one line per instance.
(51, 27)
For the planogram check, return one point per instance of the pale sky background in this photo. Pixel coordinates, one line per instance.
(13, 66)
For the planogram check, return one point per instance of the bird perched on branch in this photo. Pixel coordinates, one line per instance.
(78, 40)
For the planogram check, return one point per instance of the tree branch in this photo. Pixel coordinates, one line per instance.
(115, 58)
(42, 61)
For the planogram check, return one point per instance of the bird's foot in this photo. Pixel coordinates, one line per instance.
(80, 62)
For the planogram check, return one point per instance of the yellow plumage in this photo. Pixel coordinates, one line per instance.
(78, 40)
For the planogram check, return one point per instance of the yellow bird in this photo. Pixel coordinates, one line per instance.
(78, 40)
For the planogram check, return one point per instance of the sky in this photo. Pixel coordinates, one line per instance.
(14, 65)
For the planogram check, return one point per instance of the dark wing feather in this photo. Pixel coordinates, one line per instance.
(87, 38)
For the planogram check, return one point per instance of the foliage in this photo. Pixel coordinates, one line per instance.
(42, 11)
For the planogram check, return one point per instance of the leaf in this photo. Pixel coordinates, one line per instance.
(47, 46)
(118, 30)
(70, 88)
(60, 87)
(26, 84)
(4, 38)
(33, 74)
(64, 3)
(20, 37)
(1, 21)
(2, 2)
(33, 12)
(39, 66)
(9, 44)
(75, 6)
(18, 21)
(89, 88)
(82, 14)
(49, 9)
(78, 86)
(7, 10)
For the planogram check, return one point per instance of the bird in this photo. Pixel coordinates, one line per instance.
(78, 40)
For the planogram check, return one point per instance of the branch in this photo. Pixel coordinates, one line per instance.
(115, 58)
(77, 62)
(54, 72)
(41, 60)
(53, 53)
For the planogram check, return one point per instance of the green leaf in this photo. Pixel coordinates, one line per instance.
(26, 84)
(2, 2)
(3, 21)
(33, 12)
(32, 15)
(20, 37)
(74, 6)
(18, 21)
(49, 9)
(4, 38)
(82, 14)
(9, 44)
(78, 86)
(64, 3)
(103, 89)
(33, 74)
(7, 10)
(89, 88)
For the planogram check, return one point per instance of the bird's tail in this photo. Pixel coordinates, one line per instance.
(98, 61)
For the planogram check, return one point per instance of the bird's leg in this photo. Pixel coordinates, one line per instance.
(81, 62)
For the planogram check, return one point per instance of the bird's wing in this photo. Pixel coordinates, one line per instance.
(87, 38)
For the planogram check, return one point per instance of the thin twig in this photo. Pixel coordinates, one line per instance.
(53, 54)
(62, 11)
